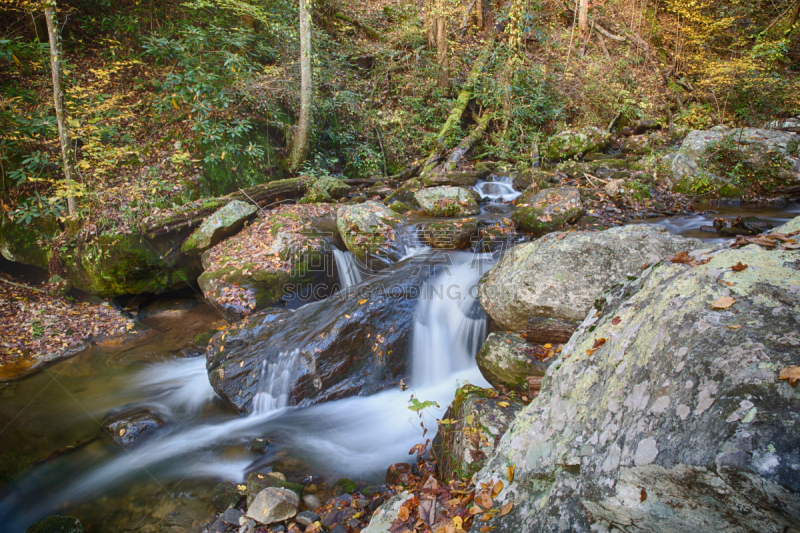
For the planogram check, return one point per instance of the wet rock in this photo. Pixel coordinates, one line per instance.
(561, 276)
(400, 207)
(273, 505)
(259, 445)
(219, 526)
(225, 222)
(306, 518)
(372, 232)
(57, 524)
(337, 516)
(484, 169)
(380, 190)
(325, 189)
(494, 237)
(227, 495)
(398, 473)
(387, 513)
(179, 519)
(126, 428)
(258, 481)
(232, 516)
(345, 345)
(505, 360)
(344, 486)
(740, 226)
(285, 255)
(311, 501)
(476, 419)
(570, 143)
(455, 234)
(447, 202)
(548, 210)
(677, 418)
(636, 145)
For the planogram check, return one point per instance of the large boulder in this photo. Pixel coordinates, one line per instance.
(281, 256)
(506, 360)
(405, 193)
(572, 143)
(225, 222)
(455, 234)
(469, 431)
(387, 513)
(372, 232)
(670, 410)
(325, 189)
(546, 211)
(447, 202)
(563, 275)
(339, 347)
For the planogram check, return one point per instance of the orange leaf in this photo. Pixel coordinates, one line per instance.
(402, 513)
(504, 510)
(497, 488)
(723, 303)
(511, 474)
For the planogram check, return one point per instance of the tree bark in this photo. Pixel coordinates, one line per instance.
(441, 45)
(583, 17)
(302, 136)
(67, 151)
(479, 14)
(464, 146)
(795, 16)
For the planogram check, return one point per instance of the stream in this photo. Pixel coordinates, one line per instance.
(168, 477)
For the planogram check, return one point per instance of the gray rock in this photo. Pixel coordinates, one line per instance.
(455, 234)
(126, 428)
(405, 194)
(273, 505)
(387, 513)
(546, 211)
(306, 518)
(637, 144)
(258, 481)
(372, 232)
(232, 516)
(570, 143)
(504, 361)
(561, 276)
(225, 222)
(476, 419)
(325, 189)
(311, 501)
(219, 526)
(447, 202)
(226, 495)
(57, 524)
(679, 420)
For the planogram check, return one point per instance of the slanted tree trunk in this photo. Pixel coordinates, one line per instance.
(67, 151)
(302, 136)
(441, 45)
(467, 143)
(795, 16)
(583, 17)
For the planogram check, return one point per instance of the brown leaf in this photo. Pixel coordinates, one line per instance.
(792, 373)
(738, 267)
(486, 529)
(504, 510)
(723, 303)
(642, 496)
(615, 321)
(427, 511)
(497, 488)
(403, 513)
(485, 499)
(475, 509)
(681, 257)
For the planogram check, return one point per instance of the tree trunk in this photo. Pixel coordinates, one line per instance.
(67, 152)
(583, 18)
(441, 45)
(303, 134)
(430, 23)
(464, 146)
(795, 16)
(479, 14)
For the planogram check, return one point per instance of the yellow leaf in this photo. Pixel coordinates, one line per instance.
(362, 302)
(16, 60)
(457, 522)
(174, 104)
(241, 487)
(153, 191)
(511, 474)
(223, 155)
(347, 316)
(723, 303)
(504, 510)
(497, 488)
(503, 404)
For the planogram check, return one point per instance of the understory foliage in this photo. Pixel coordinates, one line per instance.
(172, 101)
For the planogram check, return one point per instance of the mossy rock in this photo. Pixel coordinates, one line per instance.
(400, 207)
(258, 481)
(455, 234)
(27, 243)
(225, 222)
(371, 232)
(227, 495)
(505, 362)
(405, 193)
(447, 202)
(572, 143)
(344, 486)
(57, 524)
(547, 211)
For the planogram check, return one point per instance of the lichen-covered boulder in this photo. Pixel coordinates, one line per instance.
(455, 234)
(570, 143)
(386, 513)
(372, 232)
(562, 276)
(343, 346)
(505, 360)
(405, 194)
(469, 431)
(636, 145)
(283, 255)
(225, 222)
(325, 189)
(548, 210)
(670, 410)
(447, 202)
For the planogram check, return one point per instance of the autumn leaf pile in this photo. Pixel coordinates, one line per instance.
(39, 322)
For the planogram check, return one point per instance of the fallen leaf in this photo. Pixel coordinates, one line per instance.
(503, 404)
(362, 302)
(511, 473)
(486, 500)
(504, 510)
(723, 303)
(792, 373)
(736, 326)
(616, 320)
(486, 529)
(458, 522)
(738, 267)
(403, 513)
(475, 509)
(642, 496)
(497, 488)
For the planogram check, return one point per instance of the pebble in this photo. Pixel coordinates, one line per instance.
(311, 501)
(232, 516)
(306, 518)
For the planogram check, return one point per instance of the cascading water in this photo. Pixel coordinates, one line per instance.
(497, 189)
(350, 272)
(276, 382)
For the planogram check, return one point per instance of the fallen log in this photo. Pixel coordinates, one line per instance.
(464, 146)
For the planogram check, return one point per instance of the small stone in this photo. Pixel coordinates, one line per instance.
(344, 486)
(232, 516)
(306, 518)
(311, 501)
(338, 528)
(273, 505)
(259, 445)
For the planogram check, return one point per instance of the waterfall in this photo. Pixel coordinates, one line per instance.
(276, 382)
(449, 324)
(497, 189)
(348, 268)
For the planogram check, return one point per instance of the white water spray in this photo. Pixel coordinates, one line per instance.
(497, 189)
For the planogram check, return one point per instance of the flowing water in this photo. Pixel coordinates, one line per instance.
(55, 416)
